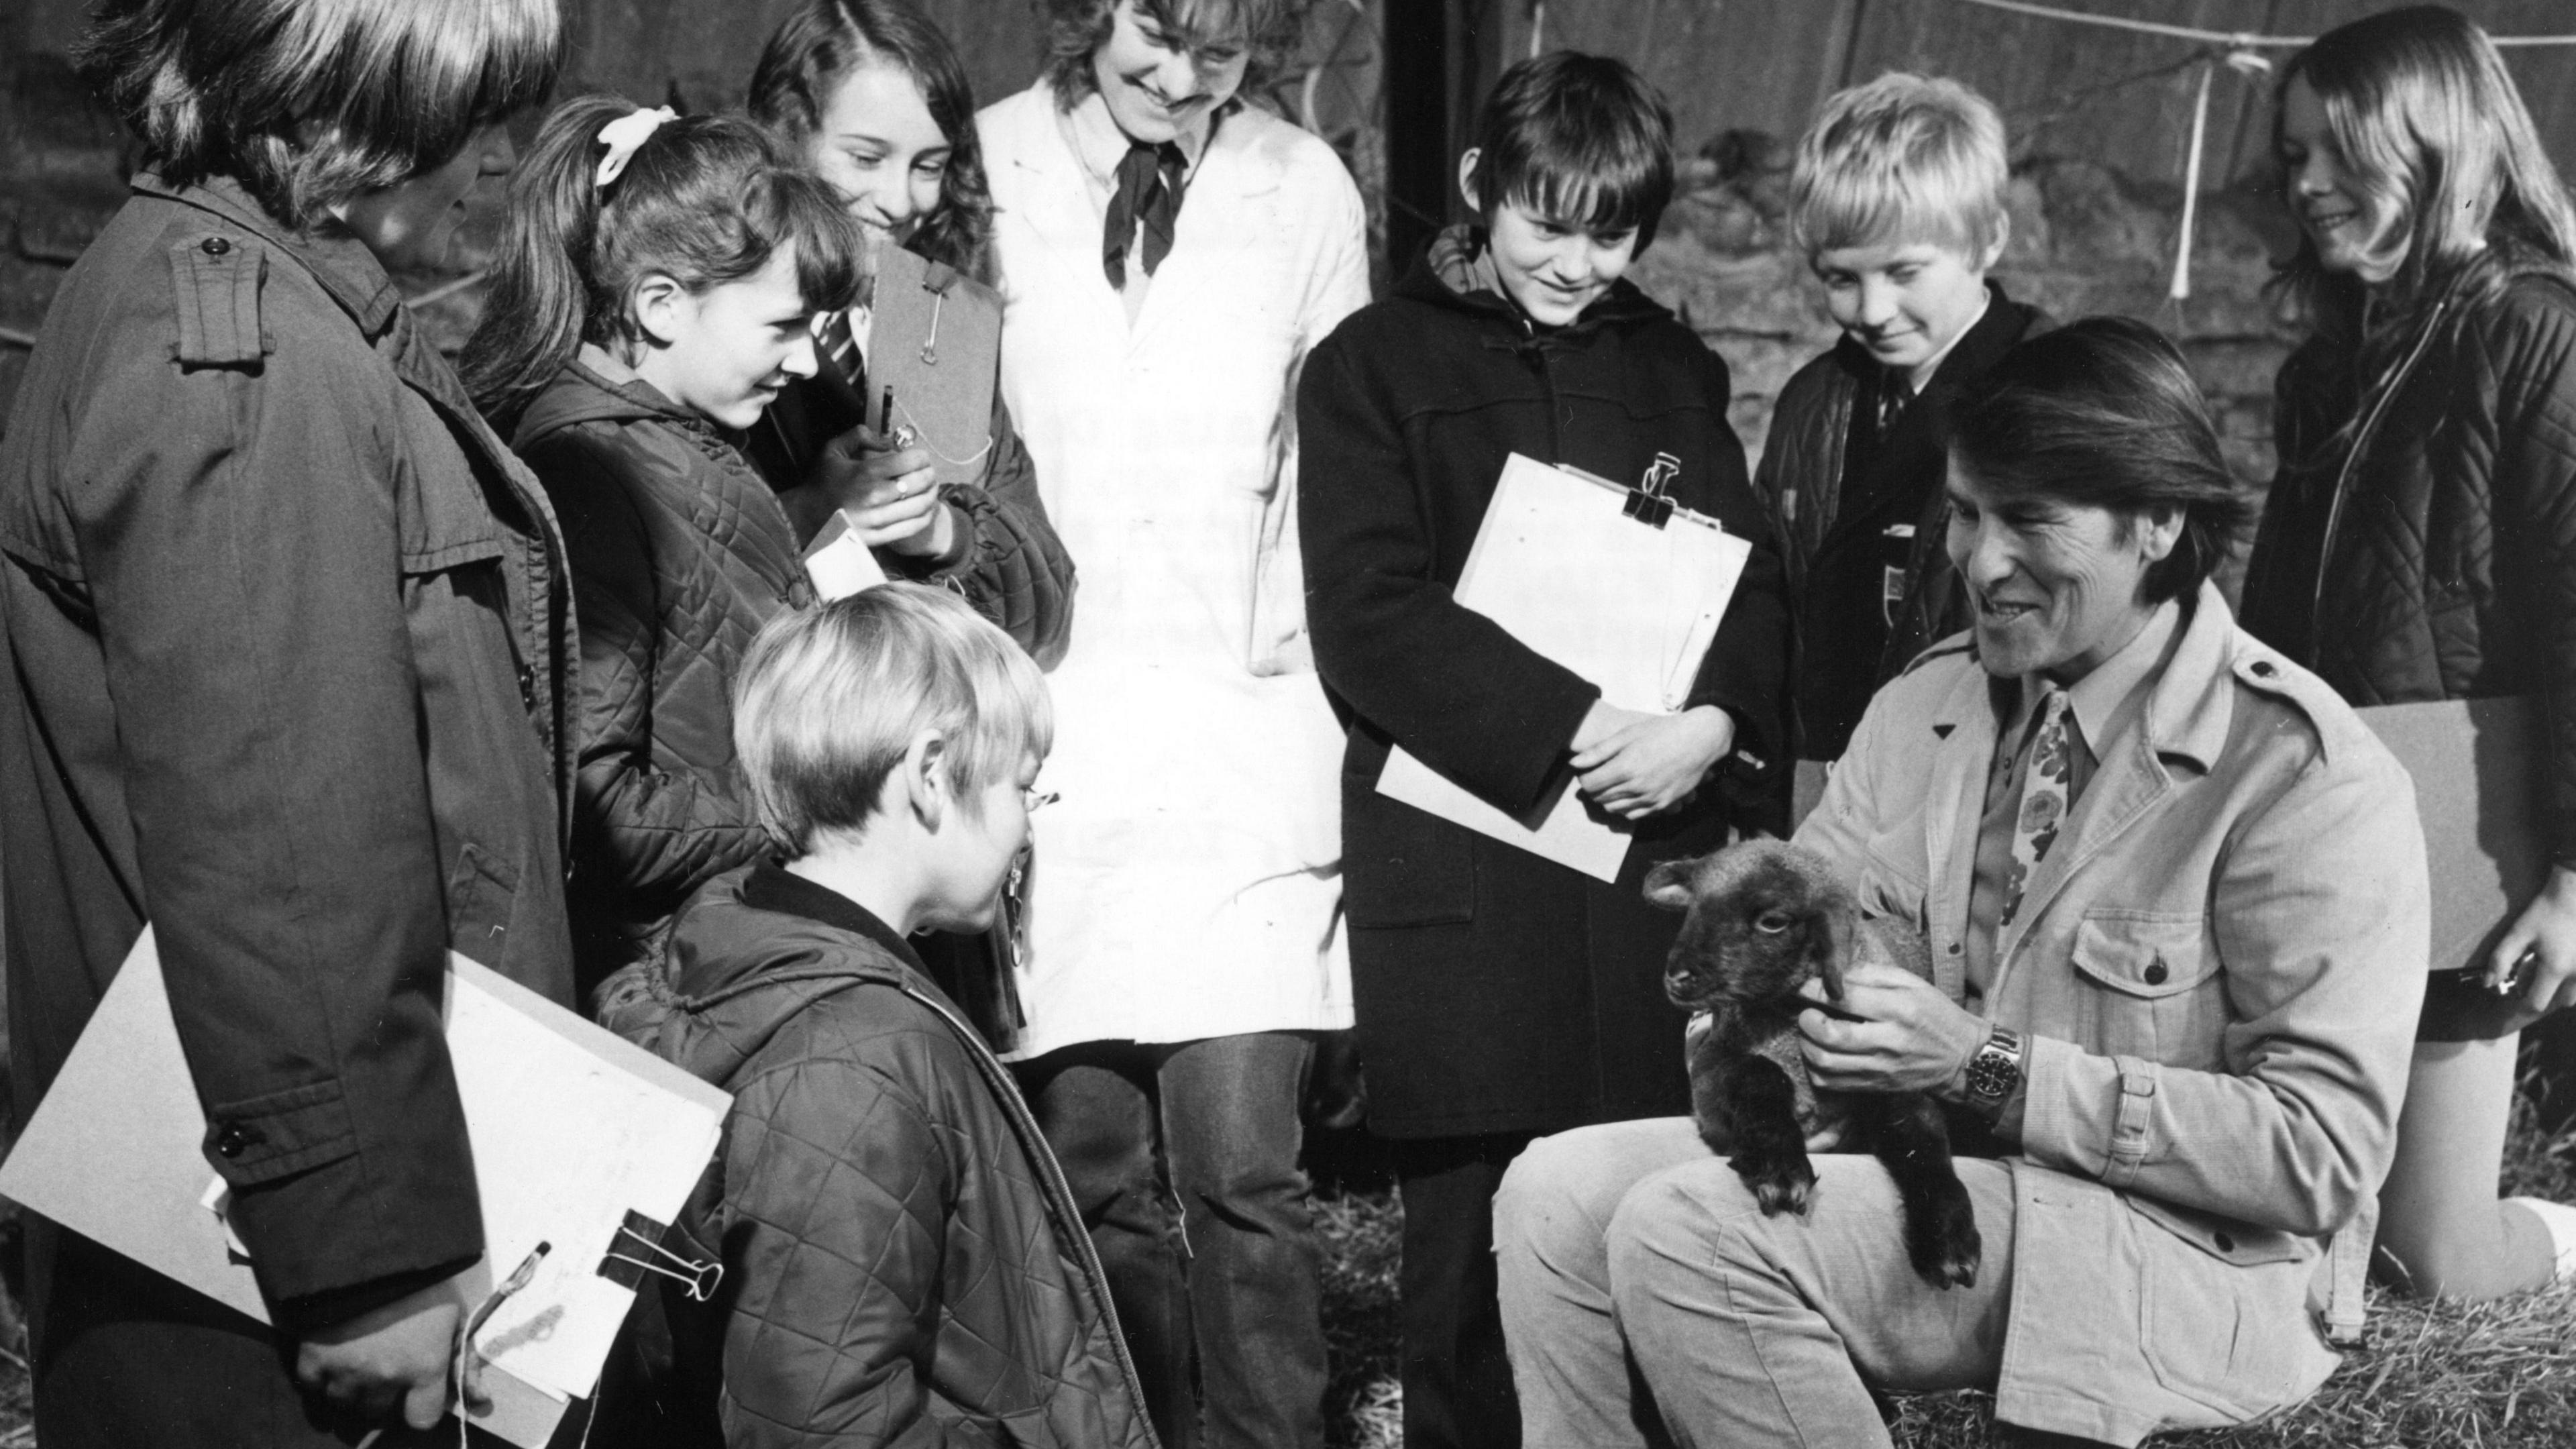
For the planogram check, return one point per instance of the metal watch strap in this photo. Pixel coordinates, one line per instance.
(1995, 1070)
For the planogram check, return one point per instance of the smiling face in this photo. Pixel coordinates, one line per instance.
(1552, 268)
(1904, 301)
(2352, 231)
(411, 224)
(727, 352)
(2057, 588)
(1157, 84)
(878, 146)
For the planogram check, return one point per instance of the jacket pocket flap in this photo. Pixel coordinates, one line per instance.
(2142, 955)
(2222, 1238)
(261, 1139)
(443, 519)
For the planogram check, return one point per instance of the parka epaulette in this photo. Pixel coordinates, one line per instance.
(2258, 667)
(214, 286)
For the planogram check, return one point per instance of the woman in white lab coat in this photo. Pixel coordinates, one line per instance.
(1166, 254)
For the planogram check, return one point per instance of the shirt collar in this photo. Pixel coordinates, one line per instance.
(342, 263)
(1100, 145)
(2105, 701)
(1932, 366)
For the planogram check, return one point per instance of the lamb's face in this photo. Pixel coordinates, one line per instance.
(1760, 919)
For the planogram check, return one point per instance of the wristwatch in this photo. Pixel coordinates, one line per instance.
(1995, 1071)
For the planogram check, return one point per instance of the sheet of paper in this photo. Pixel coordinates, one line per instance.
(571, 1128)
(839, 564)
(1629, 607)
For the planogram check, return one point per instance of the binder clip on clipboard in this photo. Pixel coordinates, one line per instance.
(1649, 502)
(1562, 564)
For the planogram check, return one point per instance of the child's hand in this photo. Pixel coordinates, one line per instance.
(2536, 960)
(1635, 765)
(887, 493)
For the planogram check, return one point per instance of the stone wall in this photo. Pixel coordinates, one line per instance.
(60, 179)
(2086, 238)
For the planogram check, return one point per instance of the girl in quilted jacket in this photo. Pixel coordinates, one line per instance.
(2420, 539)
(903, 1262)
(656, 292)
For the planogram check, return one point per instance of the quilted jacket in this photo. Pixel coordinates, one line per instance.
(1861, 528)
(903, 1262)
(680, 552)
(2420, 538)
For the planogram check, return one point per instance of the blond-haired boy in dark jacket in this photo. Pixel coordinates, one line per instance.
(902, 1261)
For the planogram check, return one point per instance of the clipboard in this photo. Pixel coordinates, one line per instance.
(935, 340)
(1620, 585)
(2476, 765)
(114, 1152)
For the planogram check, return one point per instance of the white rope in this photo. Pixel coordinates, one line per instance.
(2240, 51)
(2181, 287)
(1538, 28)
(2234, 39)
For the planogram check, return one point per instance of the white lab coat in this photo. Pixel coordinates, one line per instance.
(1188, 883)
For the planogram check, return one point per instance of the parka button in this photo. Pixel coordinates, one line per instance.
(2263, 668)
(2225, 1243)
(214, 246)
(233, 1140)
(2156, 972)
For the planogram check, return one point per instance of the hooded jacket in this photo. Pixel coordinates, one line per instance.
(903, 1262)
(1498, 991)
(2419, 541)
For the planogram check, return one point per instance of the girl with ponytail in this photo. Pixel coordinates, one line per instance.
(656, 291)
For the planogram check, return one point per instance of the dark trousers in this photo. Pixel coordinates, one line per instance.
(1183, 1158)
(126, 1358)
(1457, 1381)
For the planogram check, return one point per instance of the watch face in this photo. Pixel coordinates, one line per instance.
(1992, 1073)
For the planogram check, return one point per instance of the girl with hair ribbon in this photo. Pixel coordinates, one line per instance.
(655, 293)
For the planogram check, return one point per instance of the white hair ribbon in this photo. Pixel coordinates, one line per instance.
(624, 135)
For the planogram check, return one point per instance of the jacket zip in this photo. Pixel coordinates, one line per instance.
(1014, 1105)
(1057, 1188)
(2352, 462)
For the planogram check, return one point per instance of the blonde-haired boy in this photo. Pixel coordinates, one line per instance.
(1897, 198)
(901, 1256)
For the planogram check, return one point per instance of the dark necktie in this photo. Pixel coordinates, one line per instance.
(1148, 199)
(841, 349)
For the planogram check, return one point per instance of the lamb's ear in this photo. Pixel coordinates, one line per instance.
(1669, 884)
(1831, 944)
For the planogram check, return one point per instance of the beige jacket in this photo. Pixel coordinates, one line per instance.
(2219, 968)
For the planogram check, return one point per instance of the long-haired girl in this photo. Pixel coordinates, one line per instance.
(657, 290)
(870, 95)
(2420, 539)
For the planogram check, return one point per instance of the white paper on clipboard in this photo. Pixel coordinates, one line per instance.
(571, 1128)
(1630, 607)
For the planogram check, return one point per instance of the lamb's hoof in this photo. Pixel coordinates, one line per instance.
(1784, 1189)
(1949, 1256)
